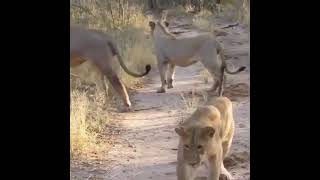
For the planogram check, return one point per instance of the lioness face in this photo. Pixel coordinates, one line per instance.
(195, 141)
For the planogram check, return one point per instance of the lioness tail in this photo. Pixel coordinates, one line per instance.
(115, 51)
(220, 51)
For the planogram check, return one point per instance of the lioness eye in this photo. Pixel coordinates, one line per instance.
(199, 147)
(186, 146)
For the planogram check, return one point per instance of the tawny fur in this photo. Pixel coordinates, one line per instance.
(100, 49)
(172, 51)
(206, 137)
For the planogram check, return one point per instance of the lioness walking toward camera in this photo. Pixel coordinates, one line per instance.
(100, 49)
(206, 136)
(172, 51)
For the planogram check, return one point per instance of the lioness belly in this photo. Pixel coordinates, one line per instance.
(184, 62)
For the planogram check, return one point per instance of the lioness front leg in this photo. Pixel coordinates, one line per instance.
(215, 166)
(163, 68)
(185, 172)
(171, 75)
(224, 175)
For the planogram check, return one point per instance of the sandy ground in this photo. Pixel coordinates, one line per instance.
(146, 147)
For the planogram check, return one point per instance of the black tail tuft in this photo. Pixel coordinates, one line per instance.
(148, 68)
(242, 68)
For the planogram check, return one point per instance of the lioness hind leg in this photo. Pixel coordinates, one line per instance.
(171, 75)
(218, 83)
(163, 68)
(222, 85)
(226, 145)
(225, 175)
(215, 72)
(103, 86)
(118, 87)
(121, 90)
(103, 61)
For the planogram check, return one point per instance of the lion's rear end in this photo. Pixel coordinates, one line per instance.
(226, 110)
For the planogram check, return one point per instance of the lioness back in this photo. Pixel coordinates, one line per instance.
(224, 105)
(186, 50)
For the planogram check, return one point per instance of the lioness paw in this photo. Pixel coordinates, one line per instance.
(161, 90)
(126, 109)
(225, 176)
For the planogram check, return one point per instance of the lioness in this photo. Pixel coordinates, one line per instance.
(172, 51)
(206, 136)
(99, 48)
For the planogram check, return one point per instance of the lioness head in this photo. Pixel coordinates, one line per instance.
(197, 139)
(162, 24)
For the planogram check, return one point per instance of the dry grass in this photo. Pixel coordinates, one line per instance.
(206, 76)
(78, 126)
(136, 50)
(237, 10)
(86, 122)
(191, 101)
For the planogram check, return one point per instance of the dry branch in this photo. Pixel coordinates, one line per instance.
(84, 9)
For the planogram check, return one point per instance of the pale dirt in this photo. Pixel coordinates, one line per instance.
(146, 146)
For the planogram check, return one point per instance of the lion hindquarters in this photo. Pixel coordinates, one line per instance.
(224, 105)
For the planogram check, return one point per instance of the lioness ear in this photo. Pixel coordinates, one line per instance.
(152, 24)
(180, 131)
(166, 23)
(209, 131)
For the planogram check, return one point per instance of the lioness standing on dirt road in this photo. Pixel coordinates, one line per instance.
(99, 48)
(206, 136)
(172, 51)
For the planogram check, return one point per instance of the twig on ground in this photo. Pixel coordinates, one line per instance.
(74, 75)
(142, 109)
(229, 26)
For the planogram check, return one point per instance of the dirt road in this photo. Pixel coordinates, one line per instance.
(146, 149)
